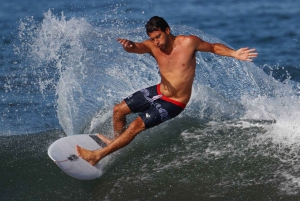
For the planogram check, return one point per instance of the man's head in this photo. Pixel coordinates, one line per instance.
(159, 31)
(156, 23)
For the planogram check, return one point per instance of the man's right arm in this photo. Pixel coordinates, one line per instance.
(135, 47)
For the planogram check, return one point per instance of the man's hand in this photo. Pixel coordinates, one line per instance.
(126, 43)
(245, 54)
(135, 47)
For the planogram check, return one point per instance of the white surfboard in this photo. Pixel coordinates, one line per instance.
(63, 153)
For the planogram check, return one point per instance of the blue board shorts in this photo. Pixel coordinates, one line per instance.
(153, 107)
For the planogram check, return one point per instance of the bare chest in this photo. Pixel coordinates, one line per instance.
(164, 59)
(176, 60)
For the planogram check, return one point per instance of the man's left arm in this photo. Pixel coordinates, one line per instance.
(244, 54)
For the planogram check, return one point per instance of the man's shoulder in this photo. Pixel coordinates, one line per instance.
(187, 39)
(148, 43)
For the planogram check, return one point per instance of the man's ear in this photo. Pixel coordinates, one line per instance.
(168, 31)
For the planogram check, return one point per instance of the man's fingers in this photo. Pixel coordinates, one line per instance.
(125, 42)
(252, 54)
(251, 51)
(247, 54)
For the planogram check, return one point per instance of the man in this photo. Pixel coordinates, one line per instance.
(176, 59)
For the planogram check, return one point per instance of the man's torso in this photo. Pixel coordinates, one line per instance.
(177, 69)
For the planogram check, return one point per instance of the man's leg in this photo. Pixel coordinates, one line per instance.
(119, 118)
(119, 121)
(93, 157)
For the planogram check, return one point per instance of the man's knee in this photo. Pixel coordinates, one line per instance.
(121, 109)
(138, 125)
(117, 109)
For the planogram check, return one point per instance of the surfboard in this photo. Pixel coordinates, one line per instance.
(63, 153)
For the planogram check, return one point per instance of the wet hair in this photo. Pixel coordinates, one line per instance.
(156, 23)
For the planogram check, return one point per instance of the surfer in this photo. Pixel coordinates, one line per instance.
(176, 59)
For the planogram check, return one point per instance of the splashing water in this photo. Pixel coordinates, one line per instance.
(90, 73)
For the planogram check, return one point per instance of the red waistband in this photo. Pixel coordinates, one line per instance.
(183, 105)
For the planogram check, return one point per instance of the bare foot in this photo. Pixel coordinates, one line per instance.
(105, 139)
(89, 156)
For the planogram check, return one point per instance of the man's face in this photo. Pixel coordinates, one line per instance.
(159, 38)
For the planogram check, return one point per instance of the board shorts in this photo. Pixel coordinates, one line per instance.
(153, 107)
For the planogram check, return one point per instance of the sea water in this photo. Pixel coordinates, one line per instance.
(62, 71)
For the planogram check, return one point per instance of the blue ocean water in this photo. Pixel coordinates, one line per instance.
(62, 70)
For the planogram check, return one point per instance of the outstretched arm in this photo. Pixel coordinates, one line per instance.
(134, 47)
(244, 54)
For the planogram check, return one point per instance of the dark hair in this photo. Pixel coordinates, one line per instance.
(156, 23)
